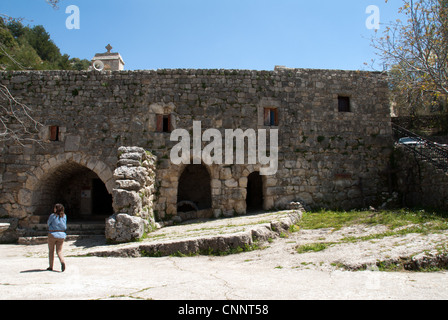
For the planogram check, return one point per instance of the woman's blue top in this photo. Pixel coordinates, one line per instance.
(57, 226)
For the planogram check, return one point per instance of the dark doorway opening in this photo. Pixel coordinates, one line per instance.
(254, 198)
(101, 199)
(194, 188)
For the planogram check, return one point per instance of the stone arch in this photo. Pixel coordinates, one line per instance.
(168, 181)
(194, 185)
(59, 172)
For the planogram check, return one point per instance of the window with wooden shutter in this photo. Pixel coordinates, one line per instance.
(54, 133)
(270, 116)
(164, 123)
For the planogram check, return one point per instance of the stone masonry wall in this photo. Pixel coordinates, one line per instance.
(326, 158)
(419, 183)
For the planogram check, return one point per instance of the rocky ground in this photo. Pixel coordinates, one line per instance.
(347, 263)
(357, 247)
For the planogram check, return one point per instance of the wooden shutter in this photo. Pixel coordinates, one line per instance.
(270, 116)
(54, 133)
(159, 119)
(267, 114)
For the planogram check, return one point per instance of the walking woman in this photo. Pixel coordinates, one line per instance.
(57, 225)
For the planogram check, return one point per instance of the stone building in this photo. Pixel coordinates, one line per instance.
(108, 61)
(105, 143)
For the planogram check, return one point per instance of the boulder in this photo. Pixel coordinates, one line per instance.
(124, 228)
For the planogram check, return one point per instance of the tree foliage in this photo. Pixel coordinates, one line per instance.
(23, 47)
(416, 53)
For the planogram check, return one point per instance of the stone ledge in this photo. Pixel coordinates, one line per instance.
(214, 239)
(33, 241)
(4, 227)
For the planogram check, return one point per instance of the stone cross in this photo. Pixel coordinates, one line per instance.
(108, 48)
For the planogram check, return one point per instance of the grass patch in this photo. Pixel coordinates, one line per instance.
(245, 248)
(399, 222)
(391, 218)
(313, 247)
(424, 229)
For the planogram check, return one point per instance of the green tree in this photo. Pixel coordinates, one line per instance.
(24, 55)
(16, 28)
(416, 53)
(32, 48)
(78, 64)
(40, 40)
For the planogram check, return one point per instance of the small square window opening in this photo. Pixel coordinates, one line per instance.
(343, 104)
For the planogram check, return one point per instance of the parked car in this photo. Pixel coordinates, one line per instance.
(410, 141)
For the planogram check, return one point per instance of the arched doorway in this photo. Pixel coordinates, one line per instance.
(194, 189)
(254, 198)
(79, 189)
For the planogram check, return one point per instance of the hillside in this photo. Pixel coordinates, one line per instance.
(31, 48)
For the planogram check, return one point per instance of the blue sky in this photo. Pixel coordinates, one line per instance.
(228, 34)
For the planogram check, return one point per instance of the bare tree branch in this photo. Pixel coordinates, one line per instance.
(53, 3)
(16, 123)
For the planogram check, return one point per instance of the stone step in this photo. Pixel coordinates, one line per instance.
(38, 240)
(79, 229)
(74, 219)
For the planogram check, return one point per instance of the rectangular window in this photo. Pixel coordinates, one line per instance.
(164, 123)
(343, 104)
(54, 133)
(270, 117)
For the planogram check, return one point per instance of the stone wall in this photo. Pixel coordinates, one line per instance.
(419, 183)
(327, 158)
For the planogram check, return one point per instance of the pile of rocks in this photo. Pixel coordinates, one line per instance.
(133, 196)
